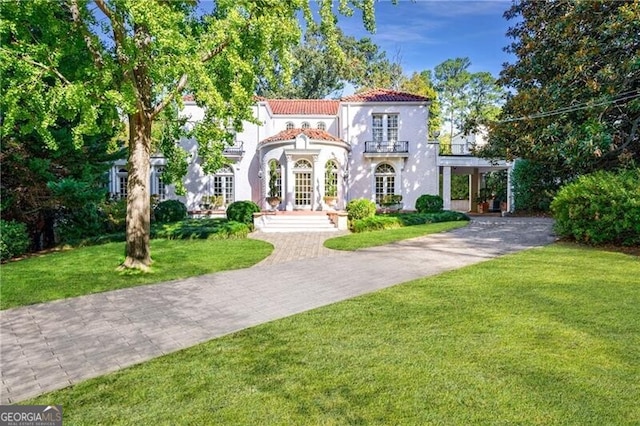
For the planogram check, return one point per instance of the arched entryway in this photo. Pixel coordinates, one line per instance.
(303, 184)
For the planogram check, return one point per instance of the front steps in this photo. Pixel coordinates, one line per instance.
(293, 222)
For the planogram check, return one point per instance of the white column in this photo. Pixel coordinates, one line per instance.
(510, 198)
(289, 193)
(318, 185)
(446, 187)
(264, 184)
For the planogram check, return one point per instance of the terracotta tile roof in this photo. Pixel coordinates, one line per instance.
(188, 98)
(303, 106)
(384, 95)
(287, 135)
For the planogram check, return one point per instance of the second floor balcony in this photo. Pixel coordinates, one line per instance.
(235, 151)
(455, 149)
(386, 148)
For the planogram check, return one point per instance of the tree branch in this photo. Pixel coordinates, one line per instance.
(86, 35)
(47, 68)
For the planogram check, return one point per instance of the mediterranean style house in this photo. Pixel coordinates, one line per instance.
(366, 145)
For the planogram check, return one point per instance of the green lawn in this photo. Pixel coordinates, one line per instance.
(546, 336)
(377, 238)
(93, 269)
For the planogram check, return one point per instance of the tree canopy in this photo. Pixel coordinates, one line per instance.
(575, 97)
(144, 57)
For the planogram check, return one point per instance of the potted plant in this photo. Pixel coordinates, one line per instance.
(483, 200)
(273, 199)
(391, 202)
(331, 193)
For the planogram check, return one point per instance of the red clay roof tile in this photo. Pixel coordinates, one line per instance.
(287, 135)
(303, 106)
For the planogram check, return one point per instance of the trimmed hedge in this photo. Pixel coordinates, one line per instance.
(391, 221)
(170, 211)
(427, 203)
(600, 208)
(242, 211)
(360, 208)
(14, 239)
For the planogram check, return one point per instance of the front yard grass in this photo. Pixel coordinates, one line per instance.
(545, 336)
(361, 240)
(92, 269)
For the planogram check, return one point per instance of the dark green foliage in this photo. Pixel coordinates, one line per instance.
(360, 208)
(600, 208)
(79, 223)
(427, 203)
(534, 186)
(170, 211)
(114, 215)
(200, 229)
(242, 211)
(14, 240)
(398, 220)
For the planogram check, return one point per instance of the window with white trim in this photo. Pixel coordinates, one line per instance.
(321, 125)
(305, 125)
(289, 125)
(303, 185)
(222, 185)
(384, 127)
(385, 181)
(123, 181)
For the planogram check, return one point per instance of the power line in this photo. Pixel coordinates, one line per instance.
(625, 96)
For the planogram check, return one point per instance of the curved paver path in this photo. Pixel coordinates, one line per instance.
(52, 345)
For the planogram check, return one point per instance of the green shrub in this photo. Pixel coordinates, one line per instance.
(600, 208)
(376, 223)
(216, 228)
(534, 186)
(14, 239)
(79, 223)
(170, 211)
(115, 215)
(242, 211)
(427, 203)
(390, 221)
(360, 208)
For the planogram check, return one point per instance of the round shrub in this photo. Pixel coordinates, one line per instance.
(170, 211)
(360, 208)
(14, 239)
(600, 208)
(242, 211)
(427, 203)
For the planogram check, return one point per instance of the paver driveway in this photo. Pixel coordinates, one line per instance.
(52, 345)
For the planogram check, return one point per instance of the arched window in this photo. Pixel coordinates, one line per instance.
(274, 179)
(385, 176)
(331, 179)
(302, 170)
(305, 125)
(222, 187)
(289, 125)
(321, 125)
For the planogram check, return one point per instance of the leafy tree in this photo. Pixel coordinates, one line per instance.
(452, 79)
(53, 158)
(484, 96)
(317, 72)
(575, 105)
(147, 55)
(421, 84)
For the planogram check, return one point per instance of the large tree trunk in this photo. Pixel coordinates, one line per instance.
(138, 254)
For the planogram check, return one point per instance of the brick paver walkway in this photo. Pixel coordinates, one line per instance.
(52, 345)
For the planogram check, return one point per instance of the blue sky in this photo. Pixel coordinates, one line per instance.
(424, 33)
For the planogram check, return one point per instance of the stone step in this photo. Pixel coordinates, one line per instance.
(295, 223)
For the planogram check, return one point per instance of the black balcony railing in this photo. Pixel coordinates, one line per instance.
(236, 150)
(386, 147)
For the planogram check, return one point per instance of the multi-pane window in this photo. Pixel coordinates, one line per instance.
(123, 180)
(289, 125)
(392, 127)
(306, 125)
(303, 184)
(222, 185)
(377, 128)
(321, 125)
(275, 175)
(160, 183)
(385, 176)
(384, 127)
(331, 179)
